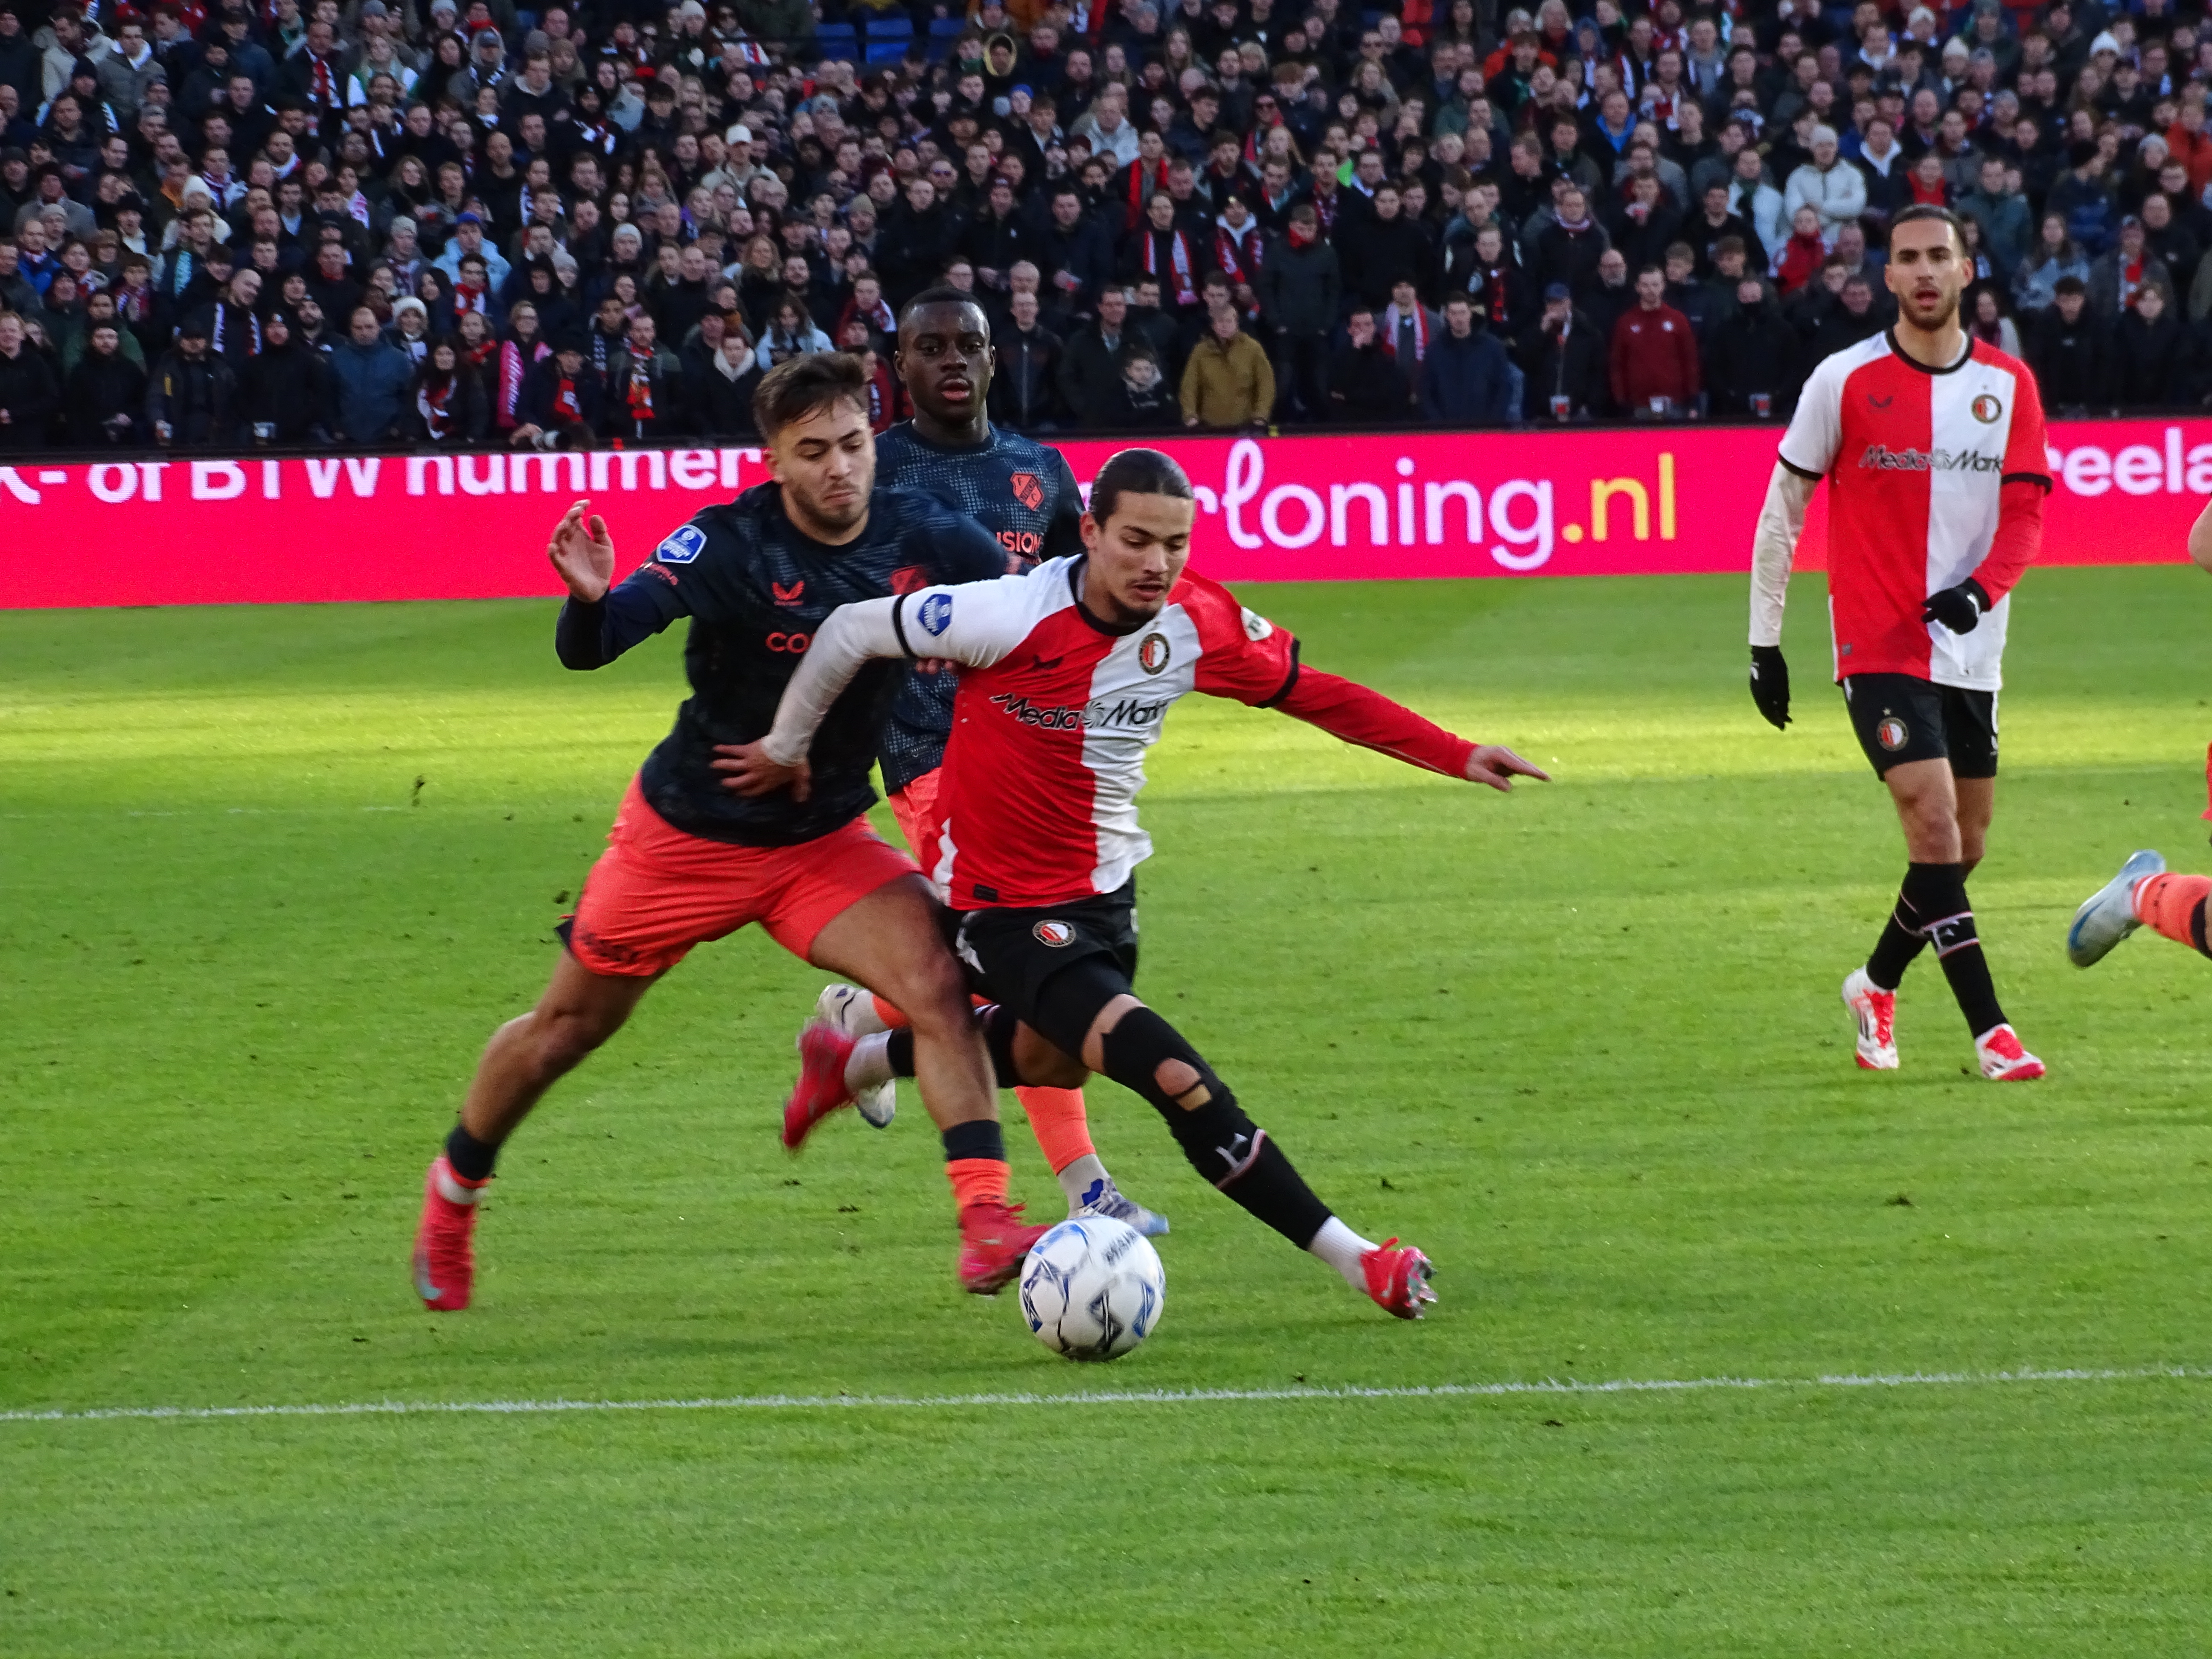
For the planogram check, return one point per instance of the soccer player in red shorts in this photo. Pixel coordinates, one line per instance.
(1067, 676)
(688, 861)
(1932, 445)
(2145, 893)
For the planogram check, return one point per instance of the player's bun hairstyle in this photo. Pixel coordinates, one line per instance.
(942, 294)
(794, 390)
(1137, 472)
(1931, 211)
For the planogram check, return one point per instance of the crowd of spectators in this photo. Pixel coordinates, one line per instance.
(377, 222)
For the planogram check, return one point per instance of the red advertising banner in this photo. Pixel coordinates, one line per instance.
(1294, 508)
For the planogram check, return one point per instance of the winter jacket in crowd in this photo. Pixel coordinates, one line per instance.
(1654, 356)
(30, 395)
(1467, 382)
(196, 396)
(1228, 383)
(369, 384)
(1365, 386)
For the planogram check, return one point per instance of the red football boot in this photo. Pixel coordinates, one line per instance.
(823, 1051)
(445, 1252)
(994, 1239)
(1398, 1279)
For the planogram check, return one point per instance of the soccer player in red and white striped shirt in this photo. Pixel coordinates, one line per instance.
(1067, 676)
(1932, 444)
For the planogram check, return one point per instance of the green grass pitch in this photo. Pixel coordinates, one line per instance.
(268, 878)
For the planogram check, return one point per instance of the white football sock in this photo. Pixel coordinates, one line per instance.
(1341, 1247)
(869, 1064)
(1078, 1178)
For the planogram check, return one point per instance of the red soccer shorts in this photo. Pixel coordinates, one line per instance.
(656, 892)
(915, 808)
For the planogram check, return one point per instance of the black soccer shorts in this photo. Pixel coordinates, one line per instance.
(1010, 955)
(1899, 718)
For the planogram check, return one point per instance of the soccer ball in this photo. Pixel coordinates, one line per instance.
(1092, 1288)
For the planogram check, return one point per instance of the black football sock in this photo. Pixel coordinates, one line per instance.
(898, 1050)
(1941, 896)
(471, 1158)
(1271, 1191)
(1902, 940)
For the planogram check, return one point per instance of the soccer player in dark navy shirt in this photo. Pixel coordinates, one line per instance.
(1023, 492)
(688, 860)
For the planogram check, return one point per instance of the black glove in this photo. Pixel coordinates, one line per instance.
(1770, 684)
(1958, 609)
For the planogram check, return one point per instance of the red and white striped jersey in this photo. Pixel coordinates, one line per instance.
(1052, 719)
(1916, 460)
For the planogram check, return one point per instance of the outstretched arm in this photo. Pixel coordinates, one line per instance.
(1345, 709)
(929, 624)
(2200, 538)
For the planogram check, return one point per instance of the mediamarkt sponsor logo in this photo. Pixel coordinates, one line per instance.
(1883, 459)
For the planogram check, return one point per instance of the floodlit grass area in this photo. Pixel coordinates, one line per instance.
(269, 877)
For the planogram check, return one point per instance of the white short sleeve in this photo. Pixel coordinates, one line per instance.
(1816, 430)
(977, 623)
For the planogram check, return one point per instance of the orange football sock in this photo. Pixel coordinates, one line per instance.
(2175, 906)
(1057, 1118)
(889, 1015)
(976, 1180)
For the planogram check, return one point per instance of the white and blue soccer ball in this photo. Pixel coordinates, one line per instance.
(1092, 1288)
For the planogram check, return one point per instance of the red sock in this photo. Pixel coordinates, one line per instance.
(891, 1016)
(2170, 904)
(1056, 1117)
(976, 1180)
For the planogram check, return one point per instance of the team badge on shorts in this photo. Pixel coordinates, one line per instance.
(1987, 407)
(1152, 653)
(1892, 733)
(1029, 490)
(1054, 933)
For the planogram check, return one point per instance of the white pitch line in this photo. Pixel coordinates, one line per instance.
(1549, 1386)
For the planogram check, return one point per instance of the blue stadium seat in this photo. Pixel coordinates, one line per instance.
(942, 32)
(888, 51)
(837, 40)
(889, 27)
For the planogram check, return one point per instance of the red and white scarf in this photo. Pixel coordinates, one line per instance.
(1391, 318)
(1144, 186)
(431, 402)
(567, 406)
(1183, 267)
(1237, 253)
(514, 361)
(467, 299)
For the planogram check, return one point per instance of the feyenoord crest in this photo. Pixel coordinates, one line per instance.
(1029, 490)
(1153, 653)
(1890, 733)
(1054, 933)
(1987, 407)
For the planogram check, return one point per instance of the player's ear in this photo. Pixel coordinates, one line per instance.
(1090, 533)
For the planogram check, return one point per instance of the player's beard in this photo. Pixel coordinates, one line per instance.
(1945, 315)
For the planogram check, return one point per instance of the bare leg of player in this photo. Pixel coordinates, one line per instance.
(889, 942)
(1946, 824)
(580, 1011)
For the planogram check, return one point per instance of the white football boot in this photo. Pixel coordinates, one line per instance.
(1873, 1020)
(1103, 1198)
(2004, 1060)
(2108, 916)
(852, 1009)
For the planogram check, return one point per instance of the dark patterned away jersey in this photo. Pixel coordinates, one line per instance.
(1022, 492)
(756, 590)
